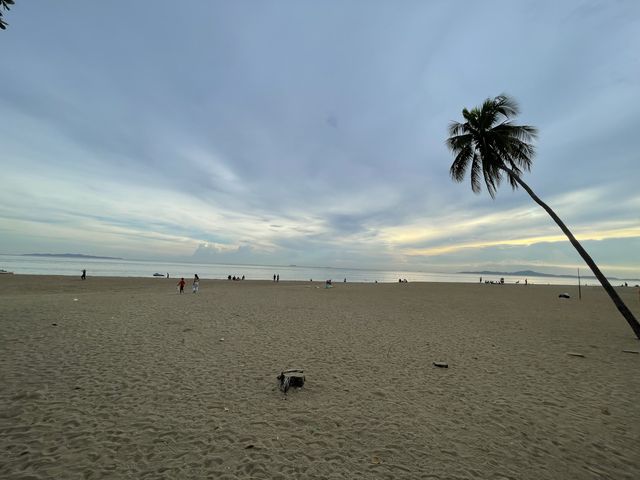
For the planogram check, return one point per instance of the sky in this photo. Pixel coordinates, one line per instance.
(313, 133)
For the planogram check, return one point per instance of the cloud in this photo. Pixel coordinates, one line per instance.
(324, 144)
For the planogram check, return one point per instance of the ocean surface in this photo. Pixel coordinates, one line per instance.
(28, 265)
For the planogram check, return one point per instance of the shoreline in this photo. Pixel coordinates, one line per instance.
(146, 269)
(335, 282)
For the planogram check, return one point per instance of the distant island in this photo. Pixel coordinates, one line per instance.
(531, 273)
(69, 255)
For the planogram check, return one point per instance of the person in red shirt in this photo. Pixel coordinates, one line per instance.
(181, 284)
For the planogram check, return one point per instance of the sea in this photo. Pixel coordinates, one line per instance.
(98, 267)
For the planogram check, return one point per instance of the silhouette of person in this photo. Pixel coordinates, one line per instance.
(278, 278)
(274, 277)
(84, 275)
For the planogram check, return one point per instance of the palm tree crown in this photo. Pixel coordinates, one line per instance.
(489, 142)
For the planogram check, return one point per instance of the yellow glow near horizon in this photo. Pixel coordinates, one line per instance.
(446, 227)
(602, 235)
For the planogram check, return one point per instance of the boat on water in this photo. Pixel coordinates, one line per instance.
(158, 274)
(5, 272)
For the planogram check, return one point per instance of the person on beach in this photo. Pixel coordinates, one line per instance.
(84, 275)
(278, 278)
(196, 283)
(181, 284)
(274, 277)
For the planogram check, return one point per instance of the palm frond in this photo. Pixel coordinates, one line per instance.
(4, 4)
(461, 163)
(457, 128)
(476, 172)
(459, 142)
(506, 106)
(525, 133)
(490, 180)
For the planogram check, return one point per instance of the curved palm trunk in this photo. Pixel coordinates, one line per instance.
(624, 310)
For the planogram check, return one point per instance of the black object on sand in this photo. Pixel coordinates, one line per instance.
(441, 364)
(564, 295)
(291, 378)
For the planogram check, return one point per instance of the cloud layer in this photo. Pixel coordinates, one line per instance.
(309, 133)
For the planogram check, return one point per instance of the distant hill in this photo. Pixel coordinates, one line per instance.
(531, 273)
(69, 255)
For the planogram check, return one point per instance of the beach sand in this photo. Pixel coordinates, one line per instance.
(136, 381)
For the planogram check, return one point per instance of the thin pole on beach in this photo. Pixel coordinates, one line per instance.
(579, 286)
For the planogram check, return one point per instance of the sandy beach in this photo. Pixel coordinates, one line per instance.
(124, 378)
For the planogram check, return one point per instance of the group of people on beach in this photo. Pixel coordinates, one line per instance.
(501, 281)
(195, 286)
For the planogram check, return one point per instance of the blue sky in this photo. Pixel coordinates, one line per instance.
(313, 132)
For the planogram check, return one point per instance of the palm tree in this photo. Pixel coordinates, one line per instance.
(493, 146)
(4, 4)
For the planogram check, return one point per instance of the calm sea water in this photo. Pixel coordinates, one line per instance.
(137, 268)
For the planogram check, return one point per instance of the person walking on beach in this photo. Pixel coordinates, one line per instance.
(196, 283)
(84, 275)
(278, 278)
(181, 284)
(274, 277)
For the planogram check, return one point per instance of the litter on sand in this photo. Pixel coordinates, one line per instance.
(291, 378)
